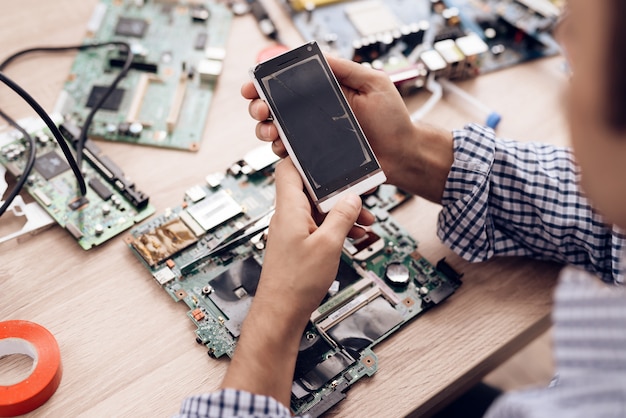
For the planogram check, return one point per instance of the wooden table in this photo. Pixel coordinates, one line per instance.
(129, 350)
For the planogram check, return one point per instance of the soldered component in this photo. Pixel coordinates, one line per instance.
(260, 158)
(199, 13)
(209, 70)
(453, 56)
(433, 61)
(397, 275)
(73, 229)
(164, 275)
(200, 42)
(177, 101)
(214, 210)
(95, 21)
(100, 189)
(111, 172)
(42, 197)
(451, 16)
(145, 80)
(195, 194)
(112, 102)
(127, 26)
(365, 247)
(197, 314)
(78, 203)
(50, 165)
(162, 242)
(214, 180)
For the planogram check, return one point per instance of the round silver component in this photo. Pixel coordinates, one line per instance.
(135, 128)
(397, 274)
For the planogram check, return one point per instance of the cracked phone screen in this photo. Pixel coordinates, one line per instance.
(319, 125)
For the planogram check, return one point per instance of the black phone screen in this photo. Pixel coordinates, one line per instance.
(319, 125)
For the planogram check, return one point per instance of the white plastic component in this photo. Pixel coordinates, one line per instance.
(36, 217)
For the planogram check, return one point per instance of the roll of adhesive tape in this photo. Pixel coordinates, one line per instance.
(23, 337)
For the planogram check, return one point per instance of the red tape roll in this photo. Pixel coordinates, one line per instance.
(23, 337)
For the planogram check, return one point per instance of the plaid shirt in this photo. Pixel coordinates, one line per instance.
(513, 199)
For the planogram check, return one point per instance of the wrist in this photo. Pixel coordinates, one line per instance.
(266, 353)
(423, 167)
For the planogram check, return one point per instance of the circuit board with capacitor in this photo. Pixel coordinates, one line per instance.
(112, 203)
(411, 40)
(382, 280)
(164, 100)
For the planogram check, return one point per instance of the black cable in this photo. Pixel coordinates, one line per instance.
(83, 132)
(18, 54)
(80, 143)
(79, 47)
(27, 168)
(53, 129)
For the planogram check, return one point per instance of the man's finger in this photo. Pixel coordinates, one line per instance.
(342, 217)
(351, 74)
(248, 91)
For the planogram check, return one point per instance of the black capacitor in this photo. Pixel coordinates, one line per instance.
(414, 36)
(384, 42)
(123, 128)
(357, 51)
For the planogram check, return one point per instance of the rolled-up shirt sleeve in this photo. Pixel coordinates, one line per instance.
(504, 197)
(232, 403)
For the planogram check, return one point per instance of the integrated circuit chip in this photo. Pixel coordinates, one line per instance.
(100, 189)
(51, 165)
(128, 26)
(112, 102)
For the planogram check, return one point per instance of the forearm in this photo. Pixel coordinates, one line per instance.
(266, 352)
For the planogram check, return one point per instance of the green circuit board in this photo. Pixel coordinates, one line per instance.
(112, 203)
(382, 280)
(164, 99)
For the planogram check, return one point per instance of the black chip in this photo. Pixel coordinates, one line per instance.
(51, 165)
(78, 203)
(200, 13)
(100, 189)
(128, 26)
(112, 102)
(200, 41)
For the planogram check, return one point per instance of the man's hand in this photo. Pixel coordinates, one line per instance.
(416, 158)
(300, 263)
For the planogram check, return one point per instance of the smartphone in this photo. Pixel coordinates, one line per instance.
(317, 125)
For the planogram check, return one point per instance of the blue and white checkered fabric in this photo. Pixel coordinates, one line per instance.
(508, 198)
